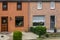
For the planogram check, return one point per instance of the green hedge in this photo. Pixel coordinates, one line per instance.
(39, 30)
(17, 35)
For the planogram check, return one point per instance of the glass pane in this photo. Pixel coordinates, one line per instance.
(52, 5)
(19, 21)
(4, 6)
(39, 5)
(19, 6)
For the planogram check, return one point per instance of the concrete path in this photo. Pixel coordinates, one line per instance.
(29, 36)
(26, 36)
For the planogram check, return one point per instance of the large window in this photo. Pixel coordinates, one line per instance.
(38, 20)
(39, 5)
(19, 5)
(52, 5)
(5, 5)
(19, 21)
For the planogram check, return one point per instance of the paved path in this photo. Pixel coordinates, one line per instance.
(26, 36)
(29, 36)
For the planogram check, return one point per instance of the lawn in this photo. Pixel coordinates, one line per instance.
(52, 36)
(56, 38)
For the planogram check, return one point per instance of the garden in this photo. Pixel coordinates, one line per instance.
(44, 35)
(41, 32)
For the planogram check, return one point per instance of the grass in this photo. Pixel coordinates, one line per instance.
(39, 38)
(52, 36)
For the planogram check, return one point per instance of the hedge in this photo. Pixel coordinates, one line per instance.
(17, 35)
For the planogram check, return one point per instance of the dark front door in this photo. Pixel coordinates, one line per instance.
(4, 24)
(52, 22)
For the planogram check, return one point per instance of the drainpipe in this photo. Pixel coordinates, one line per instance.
(28, 16)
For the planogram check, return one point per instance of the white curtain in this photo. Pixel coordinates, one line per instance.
(38, 19)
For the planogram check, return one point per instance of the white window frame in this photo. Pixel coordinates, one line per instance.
(52, 5)
(37, 20)
(39, 5)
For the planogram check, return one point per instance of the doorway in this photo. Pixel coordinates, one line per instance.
(52, 22)
(4, 24)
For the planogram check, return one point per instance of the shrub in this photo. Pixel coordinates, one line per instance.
(39, 30)
(47, 35)
(17, 35)
(32, 29)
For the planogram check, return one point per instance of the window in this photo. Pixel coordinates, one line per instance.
(19, 5)
(4, 20)
(5, 6)
(52, 5)
(39, 5)
(19, 20)
(38, 20)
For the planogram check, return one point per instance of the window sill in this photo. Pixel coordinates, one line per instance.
(19, 26)
(52, 9)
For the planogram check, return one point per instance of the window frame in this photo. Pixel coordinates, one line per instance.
(19, 3)
(22, 20)
(52, 5)
(40, 17)
(4, 4)
(39, 5)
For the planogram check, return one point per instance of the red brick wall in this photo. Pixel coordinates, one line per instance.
(12, 12)
(47, 12)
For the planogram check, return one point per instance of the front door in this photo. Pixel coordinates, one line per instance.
(52, 22)
(4, 24)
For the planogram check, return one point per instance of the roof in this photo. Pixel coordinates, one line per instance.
(32, 0)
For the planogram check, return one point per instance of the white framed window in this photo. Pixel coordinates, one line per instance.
(38, 20)
(39, 5)
(52, 5)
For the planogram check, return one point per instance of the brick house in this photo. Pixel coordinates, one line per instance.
(13, 15)
(45, 11)
(22, 14)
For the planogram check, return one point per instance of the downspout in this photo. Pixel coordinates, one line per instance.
(28, 16)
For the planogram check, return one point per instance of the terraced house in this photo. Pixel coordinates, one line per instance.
(23, 14)
(46, 12)
(13, 15)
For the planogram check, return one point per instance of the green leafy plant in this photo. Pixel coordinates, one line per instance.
(47, 35)
(39, 30)
(17, 35)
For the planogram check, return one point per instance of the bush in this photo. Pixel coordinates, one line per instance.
(39, 30)
(17, 35)
(32, 29)
(47, 35)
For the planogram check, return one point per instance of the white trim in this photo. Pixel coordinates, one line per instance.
(51, 31)
(55, 21)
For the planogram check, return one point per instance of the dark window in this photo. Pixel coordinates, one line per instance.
(52, 18)
(19, 5)
(4, 20)
(5, 5)
(38, 23)
(19, 20)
